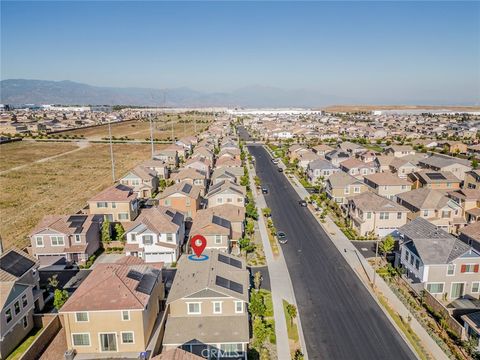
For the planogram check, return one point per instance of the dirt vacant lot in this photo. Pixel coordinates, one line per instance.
(140, 129)
(58, 186)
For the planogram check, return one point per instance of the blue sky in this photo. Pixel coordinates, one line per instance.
(392, 50)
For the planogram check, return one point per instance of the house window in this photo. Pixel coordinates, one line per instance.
(127, 337)
(57, 240)
(369, 215)
(406, 255)
(229, 200)
(445, 214)
(194, 308)
(451, 269)
(417, 264)
(16, 307)
(81, 339)
(147, 239)
(238, 307)
(476, 287)
(77, 238)
(404, 187)
(412, 259)
(122, 216)
(219, 200)
(356, 189)
(169, 237)
(167, 202)
(135, 182)
(81, 316)
(125, 315)
(469, 268)
(347, 191)
(218, 239)
(435, 288)
(231, 350)
(399, 215)
(239, 200)
(39, 241)
(8, 315)
(24, 300)
(102, 204)
(25, 322)
(133, 237)
(217, 307)
(384, 216)
(114, 205)
(425, 213)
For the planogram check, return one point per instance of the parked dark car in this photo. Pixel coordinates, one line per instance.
(303, 203)
(282, 237)
(264, 190)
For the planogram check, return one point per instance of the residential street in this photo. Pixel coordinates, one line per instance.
(340, 319)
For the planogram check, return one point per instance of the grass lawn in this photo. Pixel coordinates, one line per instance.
(267, 300)
(24, 152)
(60, 186)
(140, 129)
(18, 352)
(292, 330)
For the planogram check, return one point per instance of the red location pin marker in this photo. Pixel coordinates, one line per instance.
(198, 244)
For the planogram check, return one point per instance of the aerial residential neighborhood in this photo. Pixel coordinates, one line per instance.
(239, 180)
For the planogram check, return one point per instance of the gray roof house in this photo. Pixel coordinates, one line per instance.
(320, 168)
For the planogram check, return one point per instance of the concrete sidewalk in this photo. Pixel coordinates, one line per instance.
(280, 283)
(366, 274)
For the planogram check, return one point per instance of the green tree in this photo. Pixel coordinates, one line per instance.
(256, 307)
(251, 211)
(162, 184)
(53, 282)
(292, 312)
(267, 212)
(474, 164)
(387, 245)
(264, 354)
(257, 280)
(106, 232)
(119, 232)
(260, 333)
(298, 355)
(246, 246)
(60, 297)
(250, 227)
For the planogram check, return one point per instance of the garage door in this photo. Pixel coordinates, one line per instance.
(382, 232)
(159, 257)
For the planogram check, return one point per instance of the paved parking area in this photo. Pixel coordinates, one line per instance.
(107, 259)
(365, 247)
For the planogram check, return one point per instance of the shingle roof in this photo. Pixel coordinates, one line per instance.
(342, 179)
(320, 164)
(386, 179)
(441, 161)
(425, 198)
(370, 201)
(117, 192)
(432, 244)
(192, 191)
(159, 219)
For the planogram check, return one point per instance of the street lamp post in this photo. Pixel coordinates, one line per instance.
(151, 134)
(111, 150)
(376, 262)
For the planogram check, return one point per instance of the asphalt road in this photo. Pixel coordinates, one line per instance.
(340, 319)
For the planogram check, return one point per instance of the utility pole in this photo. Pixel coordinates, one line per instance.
(111, 150)
(173, 137)
(151, 133)
(195, 126)
(375, 267)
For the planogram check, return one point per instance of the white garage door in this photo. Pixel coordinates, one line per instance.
(159, 257)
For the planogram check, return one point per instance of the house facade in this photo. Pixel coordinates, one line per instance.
(183, 197)
(116, 203)
(142, 180)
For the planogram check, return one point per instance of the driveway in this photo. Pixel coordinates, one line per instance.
(340, 319)
(366, 248)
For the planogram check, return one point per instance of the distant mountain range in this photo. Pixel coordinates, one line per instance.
(20, 91)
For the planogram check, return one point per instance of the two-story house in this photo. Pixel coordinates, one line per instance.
(116, 203)
(169, 157)
(337, 156)
(358, 168)
(434, 180)
(160, 167)
(376, 215)
(114, 310)
(320, 170)
(183, 196)
(216, 229)
(156, 235)
(20, 297)
(193, 177)
(200, 164)
(232, 174)
(226, 192)
(469, 200)
(444, 163)
(71, 237)
(340, 186)
(387, 185)
(447, 267)
(472, 179)
(399, 150)
(142, 180)
(434, 206)
(207, 306)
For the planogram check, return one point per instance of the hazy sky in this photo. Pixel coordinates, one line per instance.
(387, 49)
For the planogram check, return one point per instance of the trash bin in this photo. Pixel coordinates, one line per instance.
(69, 354)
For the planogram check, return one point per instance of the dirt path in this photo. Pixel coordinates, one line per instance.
(81, 145)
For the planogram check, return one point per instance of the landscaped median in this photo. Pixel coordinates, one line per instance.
(263, 342)
(292, 329)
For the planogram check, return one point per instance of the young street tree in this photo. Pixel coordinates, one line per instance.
(257, 280)
(387, 245)
(292, 312)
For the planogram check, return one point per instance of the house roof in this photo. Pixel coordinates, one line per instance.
(143, 172)
(386, 179)
(342, 179)
(472, 230)
(184, 188)
(356, 163)
(320, 164)
(124, 285)
(159, 219)
(473, 320)
(466, 194)
(177, 354)
(67, 224)
(189, 173)
(225, 185)
(14, 263)
(441, 161)
(432, 244)
(370, 201)
(208, 223)
(118, 192)
(192, 277)
(425, 198)
(432, 177)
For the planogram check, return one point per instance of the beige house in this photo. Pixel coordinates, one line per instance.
(226, 192)
(71, 237)
(434, 206)
(200, 164)
(469, 200)
(446, 267)
(160, 167)
(472, 179)
(443, 163)
(400, 150)
(216, 229)
(193, 177)
(402, 166)
(168, 156)
(232, 174)
(210, 295)
(358, 168)
(142, 180)
(340, 186)
(20, 297)
(376, 215)
(119, 322)
(437, 180)
(183, 197)
(387, 185)
(116, 203)
(156, 235)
